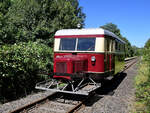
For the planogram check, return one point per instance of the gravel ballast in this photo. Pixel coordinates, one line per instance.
(118, 99)
(10, 106)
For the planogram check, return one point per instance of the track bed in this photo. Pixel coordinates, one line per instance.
(114, 96)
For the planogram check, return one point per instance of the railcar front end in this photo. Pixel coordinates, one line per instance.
(83, 50)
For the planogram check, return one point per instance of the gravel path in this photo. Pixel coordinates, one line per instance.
(116, 97)
(10, 106)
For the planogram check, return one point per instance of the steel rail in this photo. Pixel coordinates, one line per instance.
(33, 103)
(72, 110)
(75, 108)
(80, 105)
(134, 61)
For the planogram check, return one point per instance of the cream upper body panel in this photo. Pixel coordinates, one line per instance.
(99, 46)
(56, 44)
(95, 31)
(99, 34)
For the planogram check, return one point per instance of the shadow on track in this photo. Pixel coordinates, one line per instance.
(108, 86)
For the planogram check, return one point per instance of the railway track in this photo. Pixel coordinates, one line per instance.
(61, 103)
(55, 103)
(130, 62)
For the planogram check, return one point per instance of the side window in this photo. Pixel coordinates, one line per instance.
(116, 46)
(124, 47)
(111, 45)
(121, 47)
(108, 44)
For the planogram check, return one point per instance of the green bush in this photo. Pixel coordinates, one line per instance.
(20, 65)
(142, 83)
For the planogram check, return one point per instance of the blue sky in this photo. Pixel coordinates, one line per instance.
(131, 16)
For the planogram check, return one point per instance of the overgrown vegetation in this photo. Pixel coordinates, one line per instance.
(142, 82)
(26, 40)
(142, 86)
(20, 65)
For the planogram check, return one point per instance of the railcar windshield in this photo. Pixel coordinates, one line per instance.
(86, 44)
(67, 44)
(77, 44)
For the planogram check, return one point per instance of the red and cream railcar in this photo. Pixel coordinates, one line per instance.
(92, 52)
(81, 58)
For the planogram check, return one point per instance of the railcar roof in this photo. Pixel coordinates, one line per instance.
(95, 31)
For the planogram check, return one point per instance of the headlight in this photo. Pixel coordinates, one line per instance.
(93, 59)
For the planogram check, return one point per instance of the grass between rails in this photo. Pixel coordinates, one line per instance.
(142, 85)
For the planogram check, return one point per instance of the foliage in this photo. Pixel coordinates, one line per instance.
(147, 44)
(29, 20)
(20, 65)
(4, 6)
(142, 82)
(113, 28)
(137, 51)
(26, 40)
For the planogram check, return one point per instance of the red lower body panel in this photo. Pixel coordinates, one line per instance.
(74, 63)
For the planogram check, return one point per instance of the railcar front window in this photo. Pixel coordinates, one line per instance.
(67, 44)
(86, 44)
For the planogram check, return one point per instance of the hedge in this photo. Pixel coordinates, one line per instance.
(20, 65)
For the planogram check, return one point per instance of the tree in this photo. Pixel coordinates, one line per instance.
(137, 51)
(146, 51)
(4, 6)
(112, 28)
(147, 44)
(31, 20)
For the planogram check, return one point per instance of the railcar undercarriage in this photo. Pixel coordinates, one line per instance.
(84, 86)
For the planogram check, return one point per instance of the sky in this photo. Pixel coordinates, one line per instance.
(131, 16)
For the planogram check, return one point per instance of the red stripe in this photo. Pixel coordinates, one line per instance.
(79, 36)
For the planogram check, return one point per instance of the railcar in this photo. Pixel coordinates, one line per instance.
(84, 56)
